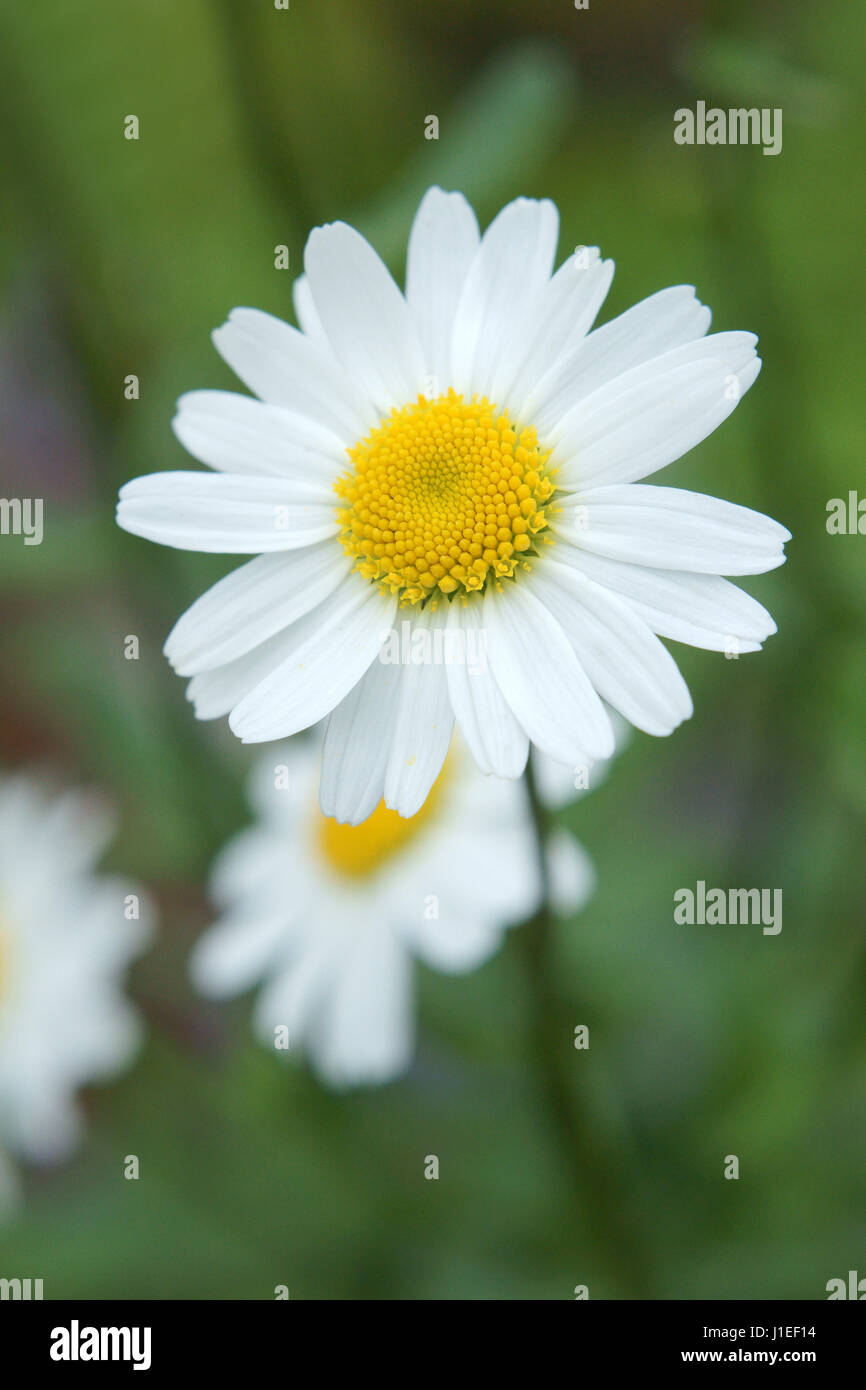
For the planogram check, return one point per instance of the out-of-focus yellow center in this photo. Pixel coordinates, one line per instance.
(445, 495)
(357, 851)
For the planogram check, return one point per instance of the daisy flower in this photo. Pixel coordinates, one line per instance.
(330, 916)
(66, 937)
(466, 457)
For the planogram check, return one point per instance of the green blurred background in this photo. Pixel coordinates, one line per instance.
(119, 257)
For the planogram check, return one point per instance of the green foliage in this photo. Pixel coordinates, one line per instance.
(704, 1042)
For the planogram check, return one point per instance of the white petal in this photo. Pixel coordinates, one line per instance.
(625, 661)
(215, 693)
(366, 1033)
(555, 781)
(255, 863)
(454, 943)
(572, 873)
(357, 744)
(238, 434)
(669, 528)
(305, 310)
(648, 418)
(68, 832)
(103, 947)
(226, 514)
(496, 740)
(252, 604)
(285, 367)
(558, 784)
(663, 321)
(442, 244)
(703, 610)
(492, 878)
(47, 1127)
(365, 316)
(422, 728)
(282, 785)
(541, 678)
(332, 647)
(510, 270)
(556, 325)
(294, 997)
(234, 953)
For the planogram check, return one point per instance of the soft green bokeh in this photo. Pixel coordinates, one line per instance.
(120, 257)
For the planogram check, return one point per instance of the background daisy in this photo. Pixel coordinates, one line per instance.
(329, 917)
(66, 939)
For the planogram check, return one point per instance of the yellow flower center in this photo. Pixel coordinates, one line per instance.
(357, 851)
(444, 496)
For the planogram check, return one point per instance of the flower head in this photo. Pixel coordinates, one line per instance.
(66, 937)
(466, 457)
(329, 916)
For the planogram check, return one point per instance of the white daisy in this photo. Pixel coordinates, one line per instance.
(66, 937)
(466, 457)
(330, 916)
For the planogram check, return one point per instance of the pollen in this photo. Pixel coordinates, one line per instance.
(444, 497)
(357, 851)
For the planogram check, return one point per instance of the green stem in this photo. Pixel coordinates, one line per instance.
(600, 1194)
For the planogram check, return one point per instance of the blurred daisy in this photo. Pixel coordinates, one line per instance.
(66, 937)
(330, 916)
(466, 457)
